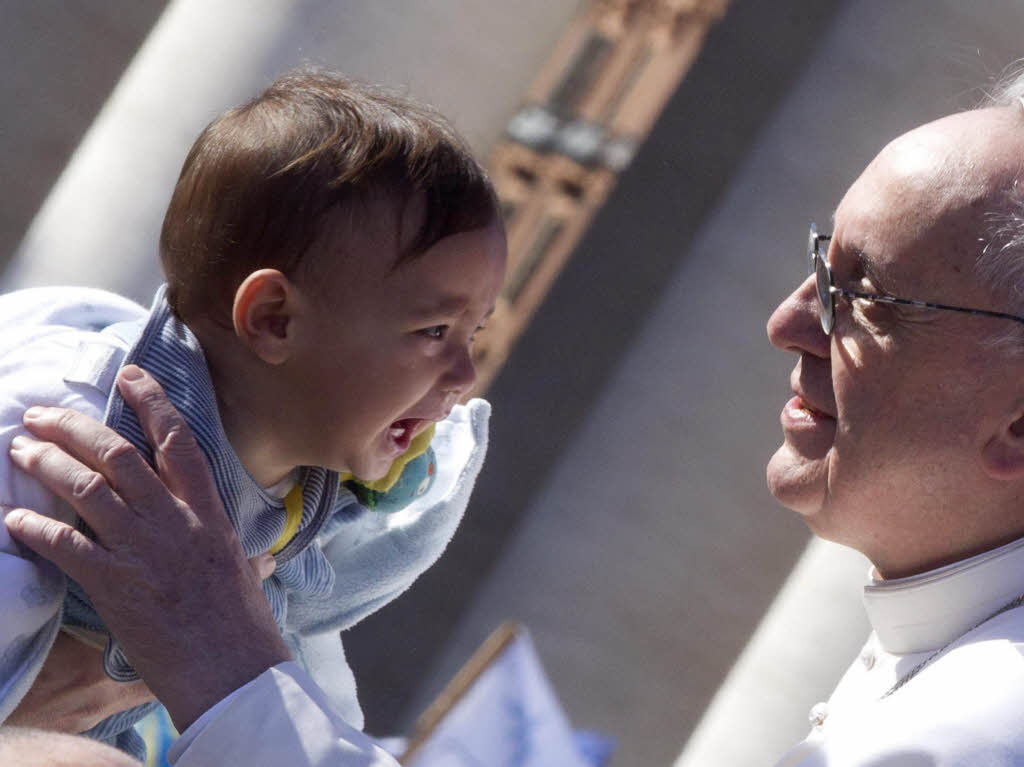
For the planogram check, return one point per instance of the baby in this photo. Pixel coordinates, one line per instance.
(330, 250)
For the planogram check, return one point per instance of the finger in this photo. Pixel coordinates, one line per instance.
(180, 462)
(86, 490)
(98, 447)
(67, 548)
(263, 565)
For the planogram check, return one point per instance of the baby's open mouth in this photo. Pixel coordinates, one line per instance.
(403, 430)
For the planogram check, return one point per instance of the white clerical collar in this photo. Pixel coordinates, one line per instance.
(926, 611)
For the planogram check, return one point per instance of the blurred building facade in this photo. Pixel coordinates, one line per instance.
(591, 105)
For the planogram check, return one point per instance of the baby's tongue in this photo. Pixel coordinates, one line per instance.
(401, 431)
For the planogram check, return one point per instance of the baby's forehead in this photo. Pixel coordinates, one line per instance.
(356, 236)
(382, 219)
(387, 239)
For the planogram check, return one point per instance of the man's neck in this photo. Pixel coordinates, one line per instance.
(905, 566)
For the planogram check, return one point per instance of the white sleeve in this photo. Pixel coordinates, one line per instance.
(279, 719)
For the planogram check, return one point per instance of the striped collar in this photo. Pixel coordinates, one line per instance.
(166, 348)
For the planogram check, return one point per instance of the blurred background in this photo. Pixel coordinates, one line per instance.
(659, 161)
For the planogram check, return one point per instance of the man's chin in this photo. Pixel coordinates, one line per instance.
(797, 482)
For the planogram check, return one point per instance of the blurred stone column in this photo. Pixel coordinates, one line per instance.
(100, 224)
(810, 634)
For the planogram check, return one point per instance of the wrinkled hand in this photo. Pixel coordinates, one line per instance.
(72, 692)
(166, 571)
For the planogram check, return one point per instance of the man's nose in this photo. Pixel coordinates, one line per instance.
(795, 325)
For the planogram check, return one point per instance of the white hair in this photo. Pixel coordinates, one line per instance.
(1000, 265)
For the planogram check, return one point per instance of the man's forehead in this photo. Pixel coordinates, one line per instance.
(948, 174)
(970, 154)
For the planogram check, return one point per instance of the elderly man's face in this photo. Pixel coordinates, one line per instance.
(884, 438)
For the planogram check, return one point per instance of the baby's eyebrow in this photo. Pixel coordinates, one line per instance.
(444, 305)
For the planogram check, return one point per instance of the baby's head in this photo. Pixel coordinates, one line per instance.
(335, 247)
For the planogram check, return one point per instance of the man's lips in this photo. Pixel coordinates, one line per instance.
(810, 381)
(806, 404)
(797, 413)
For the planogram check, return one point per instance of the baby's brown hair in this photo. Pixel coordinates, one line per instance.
(257, 183)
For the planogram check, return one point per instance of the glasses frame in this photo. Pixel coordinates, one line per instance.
(827, 291)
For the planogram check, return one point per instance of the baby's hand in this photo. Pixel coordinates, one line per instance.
(72, 692)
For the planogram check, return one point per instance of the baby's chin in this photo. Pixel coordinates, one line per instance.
(370, 466)
(366, 471)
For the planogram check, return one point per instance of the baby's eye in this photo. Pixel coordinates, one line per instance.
(436, 332)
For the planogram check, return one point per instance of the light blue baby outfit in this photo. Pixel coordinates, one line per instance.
(342, 563)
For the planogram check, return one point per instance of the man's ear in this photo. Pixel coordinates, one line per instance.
(263, 315)
(1003, 455)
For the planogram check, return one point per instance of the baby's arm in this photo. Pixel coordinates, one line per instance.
(47, 348)
(32, 590)
(30, 597)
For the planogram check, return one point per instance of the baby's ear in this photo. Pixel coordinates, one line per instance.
(263, 314)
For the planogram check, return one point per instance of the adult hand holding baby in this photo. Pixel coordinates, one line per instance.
(72, 692)
(199, 596)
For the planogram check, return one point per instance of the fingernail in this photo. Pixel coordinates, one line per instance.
(18, 443)
(13, 517)
(131, 373)
(33, 413)
(265, 565)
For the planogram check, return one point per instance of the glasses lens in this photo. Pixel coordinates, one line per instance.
(812, 248)
(823, 280)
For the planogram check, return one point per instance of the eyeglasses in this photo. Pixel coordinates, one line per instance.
(827, 292)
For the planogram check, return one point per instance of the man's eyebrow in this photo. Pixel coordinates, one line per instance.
(868, 268)
(865, 265)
